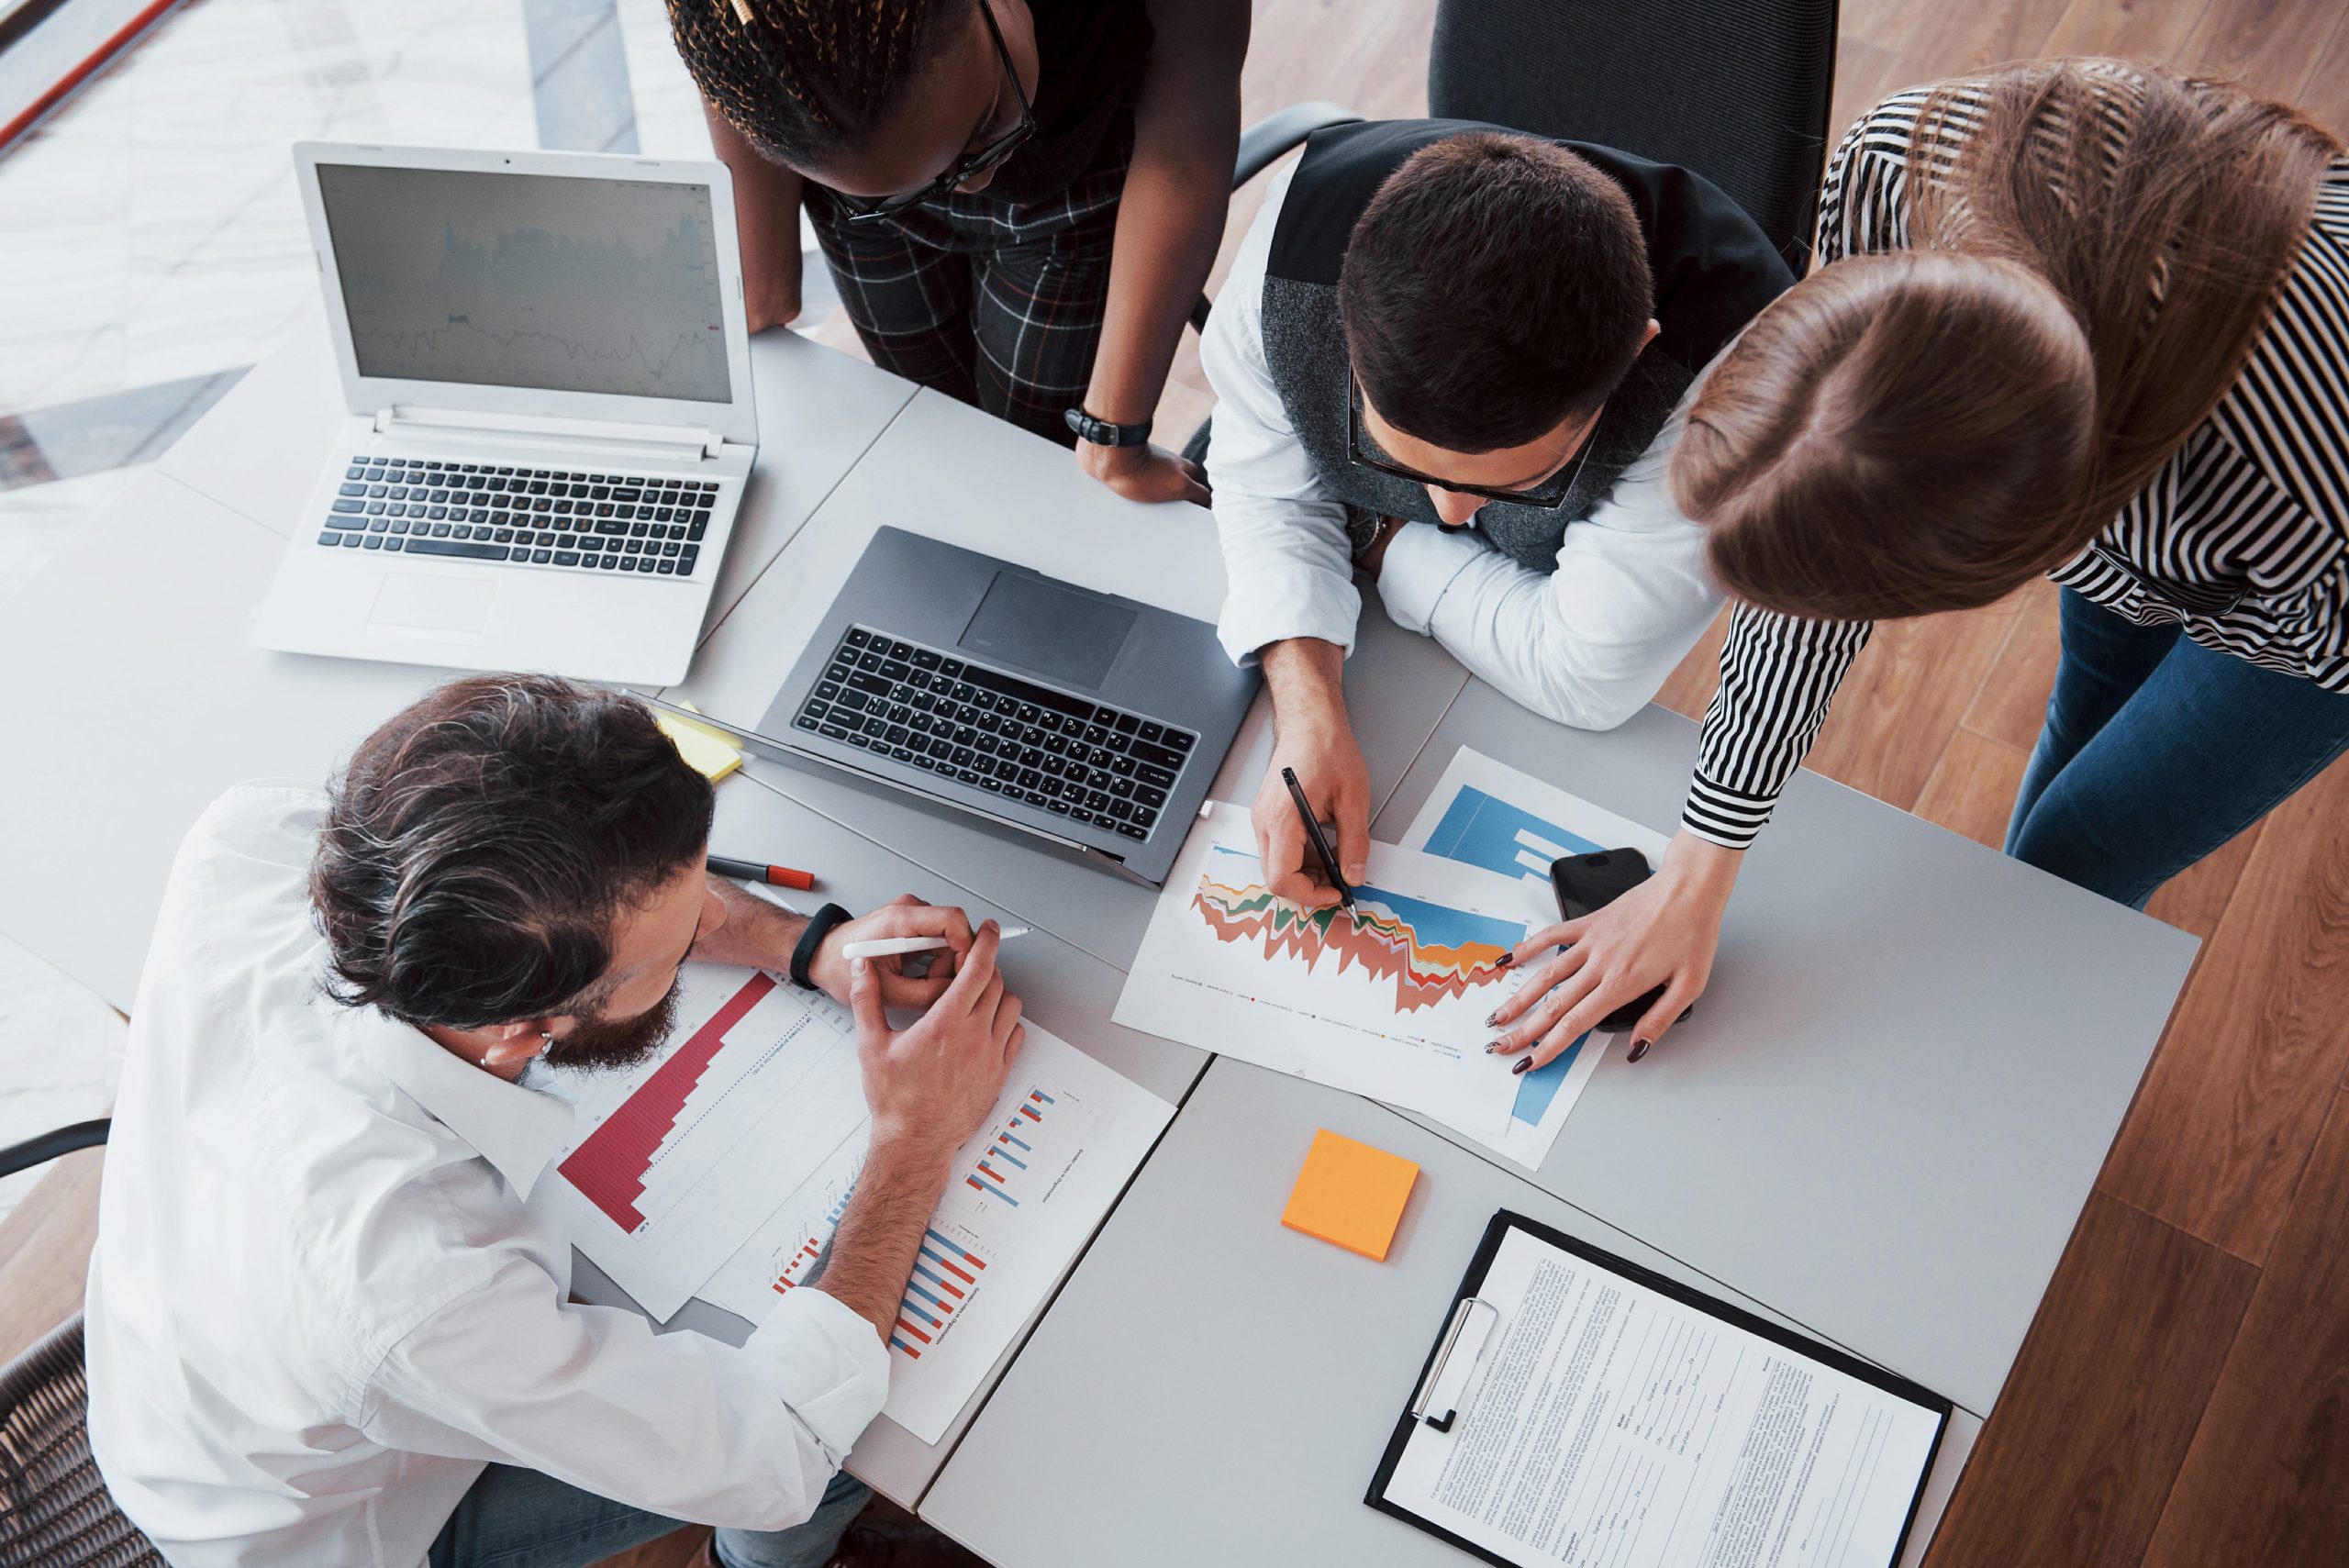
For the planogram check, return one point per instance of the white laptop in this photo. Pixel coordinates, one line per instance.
(547, 372)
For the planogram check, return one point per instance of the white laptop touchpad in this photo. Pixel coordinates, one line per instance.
(446, 606)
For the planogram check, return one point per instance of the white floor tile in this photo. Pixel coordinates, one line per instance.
(60, 1055)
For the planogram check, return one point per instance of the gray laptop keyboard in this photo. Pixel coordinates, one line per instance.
(1070, 755)
(651, 523)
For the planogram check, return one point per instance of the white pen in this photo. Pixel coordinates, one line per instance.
(890, 947)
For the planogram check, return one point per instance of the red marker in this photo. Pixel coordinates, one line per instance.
(774, 876)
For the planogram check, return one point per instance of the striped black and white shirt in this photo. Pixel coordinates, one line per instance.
(2241, 540)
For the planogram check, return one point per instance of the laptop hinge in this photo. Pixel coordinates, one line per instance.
(541, 432)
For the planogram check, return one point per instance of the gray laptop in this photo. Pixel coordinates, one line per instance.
(1084, 719)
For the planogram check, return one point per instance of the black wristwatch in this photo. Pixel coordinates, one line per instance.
(820, 926)
(1102, 433)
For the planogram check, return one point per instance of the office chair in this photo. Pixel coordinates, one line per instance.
(54, 1509)
(1737, 90)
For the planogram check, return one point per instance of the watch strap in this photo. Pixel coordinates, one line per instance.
(1102, 433)
(820, 926)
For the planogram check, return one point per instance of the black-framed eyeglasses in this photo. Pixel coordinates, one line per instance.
(1548, 496)
(972, 164)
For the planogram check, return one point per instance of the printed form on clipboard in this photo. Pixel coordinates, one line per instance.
(1579, 1409)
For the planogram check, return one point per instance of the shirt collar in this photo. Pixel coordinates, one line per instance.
(518, 1130)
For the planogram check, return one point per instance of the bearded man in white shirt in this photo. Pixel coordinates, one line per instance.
(1453, 357)
(322, 1327)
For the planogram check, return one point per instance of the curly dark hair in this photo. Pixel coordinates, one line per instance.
(803, 79)
(479, 844)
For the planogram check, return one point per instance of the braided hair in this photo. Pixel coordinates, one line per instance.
(803, 79)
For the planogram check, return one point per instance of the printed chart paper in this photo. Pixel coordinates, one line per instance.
(1387, 1000)
(675, 1161)
(1028, 1188)
(1608, 1424)
(1485, 813)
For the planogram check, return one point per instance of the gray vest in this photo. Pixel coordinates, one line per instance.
(1714, 271)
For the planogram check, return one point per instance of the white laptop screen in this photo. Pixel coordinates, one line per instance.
(569, 284)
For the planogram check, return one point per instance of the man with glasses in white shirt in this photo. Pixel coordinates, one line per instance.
(1450, 356)
(322, 1327)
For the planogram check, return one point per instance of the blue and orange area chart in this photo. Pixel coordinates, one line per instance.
(1431, 952)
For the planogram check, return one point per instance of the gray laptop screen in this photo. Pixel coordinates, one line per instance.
(529, 280)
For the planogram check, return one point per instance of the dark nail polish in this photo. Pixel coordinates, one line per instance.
(1522, 1064)
(1496, 1047)
(1506, 959)
(1493, 1019)
(1638, 1049)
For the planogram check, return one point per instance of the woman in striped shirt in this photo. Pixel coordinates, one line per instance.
(2076, 319)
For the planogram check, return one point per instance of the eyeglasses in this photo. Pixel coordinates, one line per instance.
(969, 166)
(1548, 496)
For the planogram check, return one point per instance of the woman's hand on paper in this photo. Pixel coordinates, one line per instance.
(1663, 932)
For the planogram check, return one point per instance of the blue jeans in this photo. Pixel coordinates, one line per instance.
(520, 1519)
(2156, 751)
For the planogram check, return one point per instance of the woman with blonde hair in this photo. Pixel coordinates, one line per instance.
(2078, 319)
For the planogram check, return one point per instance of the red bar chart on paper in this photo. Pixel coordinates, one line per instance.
(611, 1167)
(1027, 1149)
(1029, 1186)
(683, 1159)
(946, 1273)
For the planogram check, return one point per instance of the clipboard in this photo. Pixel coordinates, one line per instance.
(1442, 1381)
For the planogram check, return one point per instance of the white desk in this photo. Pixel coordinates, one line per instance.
(1214, 1388)
(1865, 1112)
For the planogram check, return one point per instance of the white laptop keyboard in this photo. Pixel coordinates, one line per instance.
(651, 523)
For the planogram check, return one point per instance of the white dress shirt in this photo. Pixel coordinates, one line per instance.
(318, 1307)
(1588, 644)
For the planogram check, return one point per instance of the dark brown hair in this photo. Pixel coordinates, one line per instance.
(803, 80)
(480, 843)
(1495, 287)
(2097, 247)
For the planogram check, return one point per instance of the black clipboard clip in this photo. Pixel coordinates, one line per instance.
(1457, 1356)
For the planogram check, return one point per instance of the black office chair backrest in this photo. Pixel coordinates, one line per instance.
(54, 1508)
(1737, 90)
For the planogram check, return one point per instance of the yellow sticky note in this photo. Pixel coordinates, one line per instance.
(1349, 1194)
(712, 752)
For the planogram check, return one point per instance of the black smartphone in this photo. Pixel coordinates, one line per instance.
(1586, 883)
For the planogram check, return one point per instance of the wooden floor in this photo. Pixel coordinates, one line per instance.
(2183, 1399)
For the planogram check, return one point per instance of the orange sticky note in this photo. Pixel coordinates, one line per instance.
(1349, 1194)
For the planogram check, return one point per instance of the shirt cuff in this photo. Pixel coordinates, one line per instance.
(827, 1363)
(1421, 563)
(1719, 814)
(1289, 604)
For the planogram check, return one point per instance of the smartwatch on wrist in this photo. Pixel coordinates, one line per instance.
(820, 926)
(1102, 433)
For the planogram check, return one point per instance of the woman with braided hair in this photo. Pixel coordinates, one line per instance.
(1019, 199)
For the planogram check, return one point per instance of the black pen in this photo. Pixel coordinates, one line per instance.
(1313, 836)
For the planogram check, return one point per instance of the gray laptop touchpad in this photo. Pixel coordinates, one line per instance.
(1065, 633)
